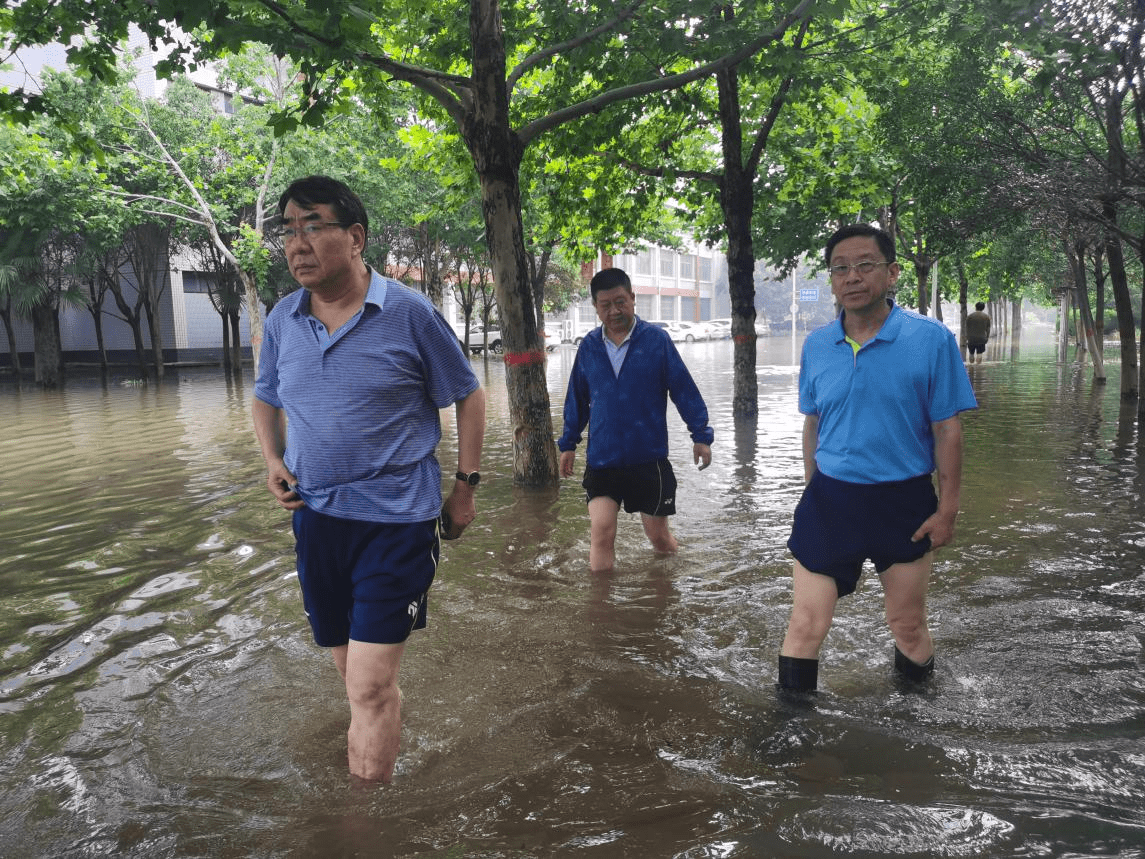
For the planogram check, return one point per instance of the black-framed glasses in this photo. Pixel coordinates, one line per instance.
(308, 228)
(865, 267)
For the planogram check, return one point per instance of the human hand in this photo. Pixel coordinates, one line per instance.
(280, 483)
(939, 527)
(702, 452)
(457, 512)
(568, 457)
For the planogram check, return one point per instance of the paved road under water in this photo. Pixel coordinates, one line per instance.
(159, 694)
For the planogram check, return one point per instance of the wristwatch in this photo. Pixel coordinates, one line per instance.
(472, 478)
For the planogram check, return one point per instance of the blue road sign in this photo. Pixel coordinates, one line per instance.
(809, 295)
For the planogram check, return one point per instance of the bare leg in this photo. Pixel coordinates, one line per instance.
(905, 588)
(656, 527)
(812, 609)
(371, 675)
(602, 513)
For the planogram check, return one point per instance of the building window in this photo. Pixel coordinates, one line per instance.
(643, 262)
(646, 306)
(688, 308)
(667, 263)
(668, 307)
(687, 266)
(586, 313)
(706, 269)
(198, 282)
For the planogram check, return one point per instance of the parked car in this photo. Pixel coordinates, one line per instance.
(673, 328)
(477, 340)
(695, 331)
(721, 328)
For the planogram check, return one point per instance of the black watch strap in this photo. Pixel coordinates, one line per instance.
(472, 478)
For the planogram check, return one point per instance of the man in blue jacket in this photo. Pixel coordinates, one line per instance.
(620, 383)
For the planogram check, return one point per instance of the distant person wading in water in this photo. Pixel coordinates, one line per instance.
(977, 333)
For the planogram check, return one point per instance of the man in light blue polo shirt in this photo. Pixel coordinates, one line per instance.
(881, 389)
(354, 371)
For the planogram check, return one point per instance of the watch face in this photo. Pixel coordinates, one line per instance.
(474, 478)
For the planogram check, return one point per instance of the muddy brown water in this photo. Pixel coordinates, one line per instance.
(160, 696)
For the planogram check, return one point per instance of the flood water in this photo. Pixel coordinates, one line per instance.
(160, 695)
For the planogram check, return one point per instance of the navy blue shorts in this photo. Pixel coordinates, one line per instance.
(365, 581)
(839, 525)
(972, 348)
(648, 488)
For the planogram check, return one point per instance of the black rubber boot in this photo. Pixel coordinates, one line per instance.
(797, 675)
(910, 669)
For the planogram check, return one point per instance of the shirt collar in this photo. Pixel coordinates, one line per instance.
(375, 294)
(889, 330)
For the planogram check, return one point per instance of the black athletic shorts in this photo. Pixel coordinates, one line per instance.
(648, 488)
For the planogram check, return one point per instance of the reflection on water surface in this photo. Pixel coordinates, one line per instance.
(159, 695)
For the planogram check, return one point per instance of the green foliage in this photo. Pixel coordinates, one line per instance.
(252, 253)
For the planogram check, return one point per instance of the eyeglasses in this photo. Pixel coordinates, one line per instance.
(864, 267)
(309, 229)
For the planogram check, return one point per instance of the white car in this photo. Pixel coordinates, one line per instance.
(695, 331)
(477, 340)
(721, 328)
(673, 328)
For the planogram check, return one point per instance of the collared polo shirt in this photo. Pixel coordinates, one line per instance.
(876, 405)
(616, 352)
(362, 403)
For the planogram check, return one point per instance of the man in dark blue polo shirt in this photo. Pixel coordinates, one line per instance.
(354, 371)
(881, 389)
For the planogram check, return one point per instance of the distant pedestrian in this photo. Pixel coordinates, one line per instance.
(623, 374)
(881, 389)
(977, 333)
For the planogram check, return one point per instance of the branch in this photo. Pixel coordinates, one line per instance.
(448, 89)
(598, 103)
(780, 99)
(660, 172)
(129, 198)
(536, 59)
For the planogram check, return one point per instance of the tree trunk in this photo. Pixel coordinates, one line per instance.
(1099, 296)
(922, 272)
(737, 200)
(155, 331)
(254, 314)
(13, 352)
(1085, 332)
(236, 343)
(963, 289)
(1122, 300)
(49, 353)
(100, 344)
(496, 153)
(226, 341)
(1063, 326)
(1016, 328)
(935, 292)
